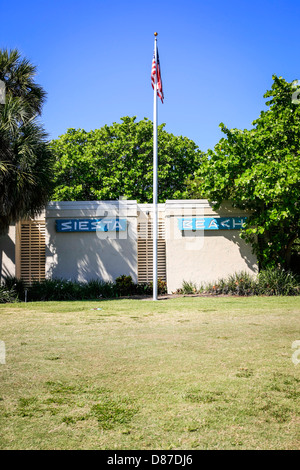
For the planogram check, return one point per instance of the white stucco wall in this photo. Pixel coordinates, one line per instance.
(92, 255)
(203, 256)
(199, 256)
(8, 253)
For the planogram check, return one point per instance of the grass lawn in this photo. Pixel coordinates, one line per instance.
(182, 373)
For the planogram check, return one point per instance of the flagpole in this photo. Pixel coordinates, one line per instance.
(154, 213)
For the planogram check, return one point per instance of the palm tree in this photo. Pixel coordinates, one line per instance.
(18, 75)
(25, 158)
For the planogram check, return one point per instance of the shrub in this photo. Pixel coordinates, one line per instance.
(96, 288)
(124, 285)
(18, 285)
(269, 282)
(7, 295)
(62, 289)
(11, 290)
(236, 284)
(278, 282)
(143, 289)
(188, 287)
(52, 289)
(161, 287)
(241, 283)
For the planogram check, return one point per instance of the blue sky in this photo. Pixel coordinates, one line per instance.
(94, 59)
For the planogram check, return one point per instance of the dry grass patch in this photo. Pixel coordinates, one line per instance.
(185, 373)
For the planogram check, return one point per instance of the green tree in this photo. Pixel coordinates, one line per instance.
(259, 170)
(117, 160)
(25, 157)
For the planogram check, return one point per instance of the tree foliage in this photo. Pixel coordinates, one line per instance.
(117, 160)
(25, 159)
(259, 170)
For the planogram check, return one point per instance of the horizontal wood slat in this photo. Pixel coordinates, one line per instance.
(32, 251)
(145, 251)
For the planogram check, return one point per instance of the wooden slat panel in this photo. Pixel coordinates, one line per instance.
(145, 251)
(32, 253)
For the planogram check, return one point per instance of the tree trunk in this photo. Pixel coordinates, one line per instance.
(288, 252)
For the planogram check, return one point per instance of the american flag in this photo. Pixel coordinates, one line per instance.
(156, 77)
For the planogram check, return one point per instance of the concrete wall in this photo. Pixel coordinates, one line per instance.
(8, 253)
(199, 256)
(203, 256)
(92, 255)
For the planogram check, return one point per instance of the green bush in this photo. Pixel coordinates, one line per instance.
(51, 289)
(11, 290)
(161, 287)
(278, 282)
(241, 283)
(18, 285)
(96, 288)
(124, 285)
(268, 282)
(188, 287)
(237, 284)
(7, 295)
(62, 289)
(143, 289)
